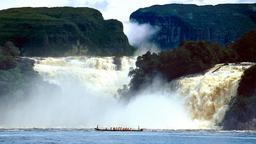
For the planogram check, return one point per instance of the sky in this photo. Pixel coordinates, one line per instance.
(111, 9)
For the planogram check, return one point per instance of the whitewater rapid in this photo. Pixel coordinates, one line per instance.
(86, 96)
(207, 95)
(93, 73)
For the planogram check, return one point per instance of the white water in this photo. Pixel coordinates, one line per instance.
(208, 95)
(88, 97)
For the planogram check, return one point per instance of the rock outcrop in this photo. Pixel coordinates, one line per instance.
(242, 112)
(222, 23)
(62, 31)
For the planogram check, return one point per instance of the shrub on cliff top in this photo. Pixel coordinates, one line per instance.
(245, 47)
(189, 58)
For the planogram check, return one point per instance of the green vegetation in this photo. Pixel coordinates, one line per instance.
(8, 53)
(245, 47)
(200, 15)
(62, 31)
(221, 24)
(17, 76)
(190, 58)
(196, 57)
(11, 75)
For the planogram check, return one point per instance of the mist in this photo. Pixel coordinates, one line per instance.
(84, 94)
(140, 36)
(82, 91)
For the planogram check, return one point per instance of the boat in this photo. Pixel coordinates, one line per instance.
(118, 129)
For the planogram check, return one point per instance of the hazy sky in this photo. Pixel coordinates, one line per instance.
(118, 9)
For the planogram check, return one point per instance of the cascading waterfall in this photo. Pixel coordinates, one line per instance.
(93, 73)
(208, 95)
(87, 96)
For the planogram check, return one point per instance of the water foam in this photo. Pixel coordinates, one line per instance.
(88, 89)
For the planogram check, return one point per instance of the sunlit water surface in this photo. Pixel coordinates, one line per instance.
(52, 136)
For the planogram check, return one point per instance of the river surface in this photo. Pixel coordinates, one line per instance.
(52, 136)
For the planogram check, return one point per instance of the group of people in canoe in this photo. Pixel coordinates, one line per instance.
(117, 129)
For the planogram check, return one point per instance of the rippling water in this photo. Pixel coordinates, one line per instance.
(147, 137)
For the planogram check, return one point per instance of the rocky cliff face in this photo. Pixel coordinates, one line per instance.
(62, 31)
(242, 114)
(221, 23)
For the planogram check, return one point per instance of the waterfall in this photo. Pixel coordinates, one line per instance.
(93, 73)
(87, 96)
(207, 95)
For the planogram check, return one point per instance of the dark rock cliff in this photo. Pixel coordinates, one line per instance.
(62, 31)
(242, 113)
(222, 23)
